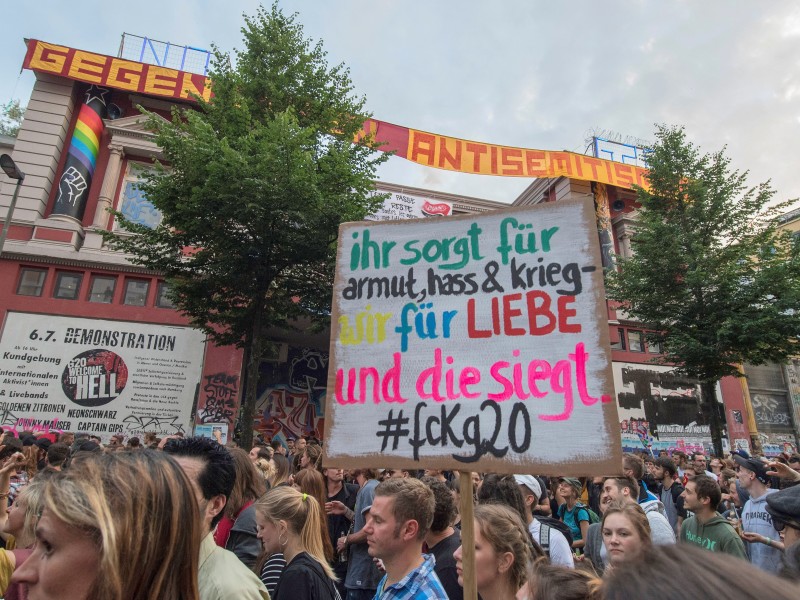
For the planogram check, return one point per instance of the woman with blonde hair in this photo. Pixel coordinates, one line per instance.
(503, 552)
(311, 482)
(553, 582)
(121, 526)
(310, 457)
(289, 522)
(281, 476)
(626, 532)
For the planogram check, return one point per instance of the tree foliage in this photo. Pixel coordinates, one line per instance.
(257, 181)
(710, 274)
(11, 118)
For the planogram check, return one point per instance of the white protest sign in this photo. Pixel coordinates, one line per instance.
(474, 343)
(97, 376)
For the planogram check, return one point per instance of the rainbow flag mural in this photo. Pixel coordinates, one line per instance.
(75, 181)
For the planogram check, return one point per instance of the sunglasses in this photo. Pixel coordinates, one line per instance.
(780, 524)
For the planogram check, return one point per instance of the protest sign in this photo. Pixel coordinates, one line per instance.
(97, 376)
(474, 343)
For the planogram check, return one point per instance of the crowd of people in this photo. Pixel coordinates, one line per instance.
(189, 518)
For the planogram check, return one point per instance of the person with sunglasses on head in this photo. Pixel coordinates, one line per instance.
(784, 508)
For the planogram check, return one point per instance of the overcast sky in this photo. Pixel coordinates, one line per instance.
(535, 74)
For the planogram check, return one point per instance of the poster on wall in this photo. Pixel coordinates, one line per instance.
(97, 376)
(473, 343)
(291, 395)
(659, 410)
(400, 206)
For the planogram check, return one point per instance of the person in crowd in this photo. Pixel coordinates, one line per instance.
(310, 457)
(502, 552)
(669, 490)
(504, 489)
(670, 572)
(311, 482)
(57, 455)
(259, 451)
(756, 522)
(553, 543)
(9, 557)
(278, 448)
(291, 523)
(701, 465)
(236, 531)
(399, 519)
(340, 508)
(42, 444)
(784, 509)
(440, 475)
(212, 472)
(363, 575)
(281, 476)
(626, 531)
(727, 485)
(706, 528)
(454, 485)
(396, 473)
(100, 520)
(633, 466)
(266, 469)
(552, 582)
(572, 512)
(716, 466)
(18, 477)
(689, 473)
(624, 489)
(442, 539)
(594, 550)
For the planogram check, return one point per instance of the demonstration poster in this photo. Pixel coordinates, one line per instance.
(97, 376)
(401, 206)
(477, 343)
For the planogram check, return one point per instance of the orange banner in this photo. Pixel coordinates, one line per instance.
(465, 156)
(116, 73)
(421, 147)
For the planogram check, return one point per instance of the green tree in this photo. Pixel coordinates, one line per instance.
(11, 118)
(256, 183)
(710, 274)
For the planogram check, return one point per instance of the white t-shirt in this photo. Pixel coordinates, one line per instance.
(560, 552)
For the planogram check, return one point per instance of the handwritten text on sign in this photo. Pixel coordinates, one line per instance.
(477, 339)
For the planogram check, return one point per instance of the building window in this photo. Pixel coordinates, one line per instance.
(654, 347)
(102, 289)
(68, 286)
(136, 292)
(162, 300)
(133, 204)
(635, 341)
(31, 282)
(620, 345)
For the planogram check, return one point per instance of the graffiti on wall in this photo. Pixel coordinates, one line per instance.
(793, 375)
(771, 410)
(659, 410)
(218, 397)
(291, 395)
(773, 444)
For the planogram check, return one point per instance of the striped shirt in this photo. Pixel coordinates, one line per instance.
(420, 584)
(271, 572)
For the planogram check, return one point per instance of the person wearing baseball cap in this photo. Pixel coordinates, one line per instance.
(552, 541)
(784, 508)
(757, 530)
(572, 512)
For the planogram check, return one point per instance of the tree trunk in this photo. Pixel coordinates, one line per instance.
(254, 353)
(709, 399)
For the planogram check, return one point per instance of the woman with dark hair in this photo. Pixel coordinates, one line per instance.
(687, 571)
(120, 526)
(236, 531)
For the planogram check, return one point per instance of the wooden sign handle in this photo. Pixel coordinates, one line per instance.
(467, 536)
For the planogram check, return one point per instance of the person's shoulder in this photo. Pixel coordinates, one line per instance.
(224, 577)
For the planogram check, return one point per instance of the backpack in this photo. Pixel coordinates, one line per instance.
(593, 518)
(544, 533)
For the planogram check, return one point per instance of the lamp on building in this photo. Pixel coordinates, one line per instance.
(12, 171)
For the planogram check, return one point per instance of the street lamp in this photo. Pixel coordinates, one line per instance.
(13, 172)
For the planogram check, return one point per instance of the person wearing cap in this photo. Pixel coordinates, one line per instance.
(756, 521)
(551, 540)
(784, 508)
(573, 513)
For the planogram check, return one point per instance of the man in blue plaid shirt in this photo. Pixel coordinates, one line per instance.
(400, 516)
